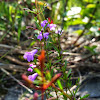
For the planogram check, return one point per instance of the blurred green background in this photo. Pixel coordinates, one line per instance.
(14, 19)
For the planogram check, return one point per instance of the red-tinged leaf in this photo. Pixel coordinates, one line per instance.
(24, 77)
(45, 86)
(30, 83)
(56, 77)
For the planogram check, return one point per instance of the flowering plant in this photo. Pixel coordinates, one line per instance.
(44, 78)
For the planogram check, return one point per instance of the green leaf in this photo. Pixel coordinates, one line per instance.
(69, 72)
(35, 18)
(65, 66)
(59, 84)
(91, 6)
(32, 43)
(10, 12)
(57, 61)
(65, 63)
(37, 25)
(87, 47)
(48, 75)
(50, 52)
(38, 82)
(51, 72)
(35, 61)
(75, 21)
(91, 49)
(37, 71)
(87, 95)
(89, 1)
(56, 48)
(19, 30)
(94, 47)
(78, 31)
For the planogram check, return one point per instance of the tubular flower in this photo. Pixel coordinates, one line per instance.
(52, 27)
(45, 35)
(45, 24)
(33, 76)
(59, 31)
(40, 36)
(31, 67)
(30, 55)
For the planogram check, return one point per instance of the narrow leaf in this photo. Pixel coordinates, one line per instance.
(69, 72)
(59, 84)
(37, 71)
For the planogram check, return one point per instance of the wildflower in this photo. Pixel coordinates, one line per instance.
(30, 55)
(31, 67)
(45, 23)
(40, 36)
(33, 76)
(59, 31)
(44, 34)
(52, 26)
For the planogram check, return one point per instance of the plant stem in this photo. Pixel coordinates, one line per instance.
(42, 97)
(62, 92)
(59, 47)
(56, 94)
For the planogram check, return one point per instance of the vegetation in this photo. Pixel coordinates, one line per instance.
(57, 38)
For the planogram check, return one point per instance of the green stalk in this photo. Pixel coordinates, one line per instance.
(62, 92)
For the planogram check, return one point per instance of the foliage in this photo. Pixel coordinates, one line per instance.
(62, 13)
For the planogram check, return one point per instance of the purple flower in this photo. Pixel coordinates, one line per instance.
(30, 55)
(58, 31)
(40, 36)
(45, 23)
(44, 34)
(32, 77)
(52, 26)
(31, 67)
